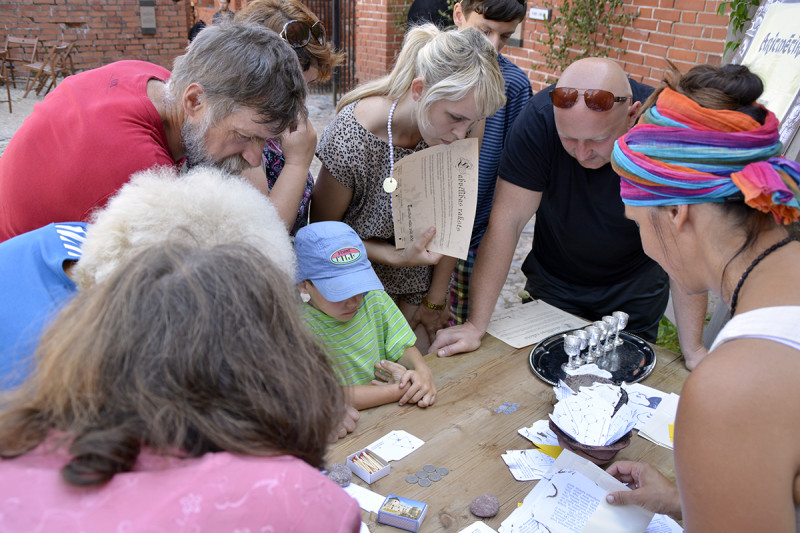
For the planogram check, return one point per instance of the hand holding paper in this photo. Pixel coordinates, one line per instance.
(651, 490)
(437, 187)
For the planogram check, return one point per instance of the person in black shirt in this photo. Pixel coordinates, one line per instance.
(587, 258)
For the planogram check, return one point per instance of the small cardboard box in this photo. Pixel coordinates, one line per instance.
(402, 512)
(359, 464)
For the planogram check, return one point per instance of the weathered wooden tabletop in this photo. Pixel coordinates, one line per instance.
(463, 433)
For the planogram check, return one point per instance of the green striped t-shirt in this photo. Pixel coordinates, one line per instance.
(377, 331)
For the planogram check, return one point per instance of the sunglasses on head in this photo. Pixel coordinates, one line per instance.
(297, 33)
(596, 99)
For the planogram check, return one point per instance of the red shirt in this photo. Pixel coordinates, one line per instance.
(80, 145)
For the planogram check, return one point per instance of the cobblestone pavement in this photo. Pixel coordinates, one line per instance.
(21, 108)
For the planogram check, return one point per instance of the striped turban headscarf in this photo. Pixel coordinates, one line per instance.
(683, 153)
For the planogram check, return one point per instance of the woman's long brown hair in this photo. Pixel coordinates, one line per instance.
(185, 350)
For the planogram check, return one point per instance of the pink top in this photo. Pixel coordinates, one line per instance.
(219, 492)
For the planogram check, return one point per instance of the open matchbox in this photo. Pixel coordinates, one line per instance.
(360, 468)
(404, 513)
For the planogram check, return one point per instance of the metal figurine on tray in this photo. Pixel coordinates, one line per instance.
(602, 348)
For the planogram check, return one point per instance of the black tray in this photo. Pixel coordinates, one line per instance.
(631, 362)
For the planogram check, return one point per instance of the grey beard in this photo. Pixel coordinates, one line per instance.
(194, 142)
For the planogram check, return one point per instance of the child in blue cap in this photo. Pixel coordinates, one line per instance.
(365, 333)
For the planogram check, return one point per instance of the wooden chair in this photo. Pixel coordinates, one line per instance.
(20, 50)
(4, 78)
(58, 63)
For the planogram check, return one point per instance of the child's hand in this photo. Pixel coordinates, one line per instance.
(389, 372)
(422, 391)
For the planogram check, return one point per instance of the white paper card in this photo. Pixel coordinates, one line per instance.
(657, 429)
(644, 400)
(395, 445)
(367, 500)
(477, 527)
(527, 465)
(526, 324)
(539, 433)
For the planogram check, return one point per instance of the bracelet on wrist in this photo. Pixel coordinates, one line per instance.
(435, 307)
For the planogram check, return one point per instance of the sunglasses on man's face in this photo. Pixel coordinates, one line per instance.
(297, 33)
(596, 99)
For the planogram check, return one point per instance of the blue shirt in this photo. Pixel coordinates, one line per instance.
(518, 92)
(34, 287)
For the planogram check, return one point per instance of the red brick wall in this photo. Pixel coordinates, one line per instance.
(104, 31)
(377, 38)
(686, 32)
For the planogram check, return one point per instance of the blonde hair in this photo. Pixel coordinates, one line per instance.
(451, 64)
(205, 206)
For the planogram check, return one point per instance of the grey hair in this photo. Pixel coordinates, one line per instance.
(451, 64)
(242, 65)
(205, 206)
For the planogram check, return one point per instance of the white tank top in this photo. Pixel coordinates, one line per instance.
(777, 324)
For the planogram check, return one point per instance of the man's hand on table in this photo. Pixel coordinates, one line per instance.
(651, 490)
(457, 339)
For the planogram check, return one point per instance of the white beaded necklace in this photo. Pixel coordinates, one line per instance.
(390, 184)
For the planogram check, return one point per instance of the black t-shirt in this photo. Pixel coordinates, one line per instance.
(422, 11)
(581, 234)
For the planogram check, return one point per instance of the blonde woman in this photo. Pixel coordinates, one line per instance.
(442, 85)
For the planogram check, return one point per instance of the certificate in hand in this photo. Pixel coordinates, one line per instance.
(437, 187)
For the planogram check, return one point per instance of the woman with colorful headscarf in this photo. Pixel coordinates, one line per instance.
(702, 178)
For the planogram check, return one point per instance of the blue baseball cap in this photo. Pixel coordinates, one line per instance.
(332, 256)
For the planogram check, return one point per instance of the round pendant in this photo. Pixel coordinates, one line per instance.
(389, 185)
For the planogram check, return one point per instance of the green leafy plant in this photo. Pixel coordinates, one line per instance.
(449, 15)
(582, 28)
(668, 335)
(740, 15)
(398, 10)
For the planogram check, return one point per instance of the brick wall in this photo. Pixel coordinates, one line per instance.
(104, 31)
(377, 38)
(686, 32)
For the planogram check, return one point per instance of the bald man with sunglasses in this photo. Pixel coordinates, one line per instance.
(587, 258)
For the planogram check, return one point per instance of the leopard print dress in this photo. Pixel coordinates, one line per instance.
(359, 160)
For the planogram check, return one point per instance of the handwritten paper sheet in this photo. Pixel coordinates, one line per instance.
(526, 324)
(437, 187)
(570, 498)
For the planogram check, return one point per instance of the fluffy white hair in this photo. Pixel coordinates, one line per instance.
(205, 206)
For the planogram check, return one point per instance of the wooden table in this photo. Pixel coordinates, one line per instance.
(463, 433)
